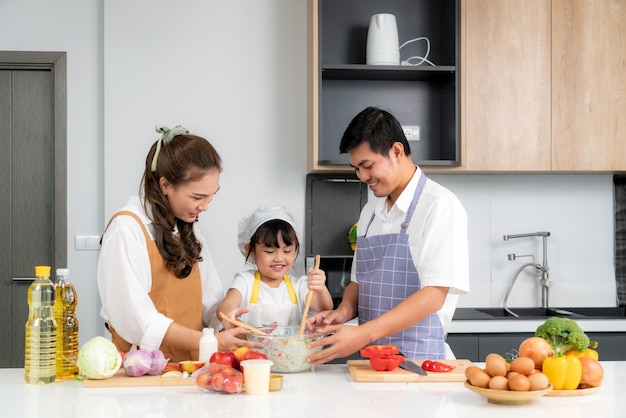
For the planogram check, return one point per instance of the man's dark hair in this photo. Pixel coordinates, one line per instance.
(377, 127)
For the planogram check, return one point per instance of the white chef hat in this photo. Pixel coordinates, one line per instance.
(250, 223)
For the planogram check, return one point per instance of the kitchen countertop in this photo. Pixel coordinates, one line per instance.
(509, 325)
(328, 391)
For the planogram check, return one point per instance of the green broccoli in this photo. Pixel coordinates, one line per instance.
(563, 334)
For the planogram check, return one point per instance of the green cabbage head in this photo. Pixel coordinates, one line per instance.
(98, 358)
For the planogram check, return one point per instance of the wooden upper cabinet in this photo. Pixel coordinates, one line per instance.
(589, 85)
(543, 85)
(506, 85)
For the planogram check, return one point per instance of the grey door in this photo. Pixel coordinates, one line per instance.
(33, 187)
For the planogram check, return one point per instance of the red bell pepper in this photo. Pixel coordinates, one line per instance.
(379, 351)
(436, 366)
(386, 363)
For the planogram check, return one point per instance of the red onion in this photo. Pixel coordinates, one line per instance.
(158, 362)
(137, 363)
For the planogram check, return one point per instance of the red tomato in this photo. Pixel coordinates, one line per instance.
(379, 350)
(203, 380)
(233, 385)
(386, 363)
(214, 368)
(228, 371)
(218, 381)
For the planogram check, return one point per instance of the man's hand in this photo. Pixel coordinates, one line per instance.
(344, 341)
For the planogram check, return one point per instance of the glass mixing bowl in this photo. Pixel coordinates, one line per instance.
(286, 348)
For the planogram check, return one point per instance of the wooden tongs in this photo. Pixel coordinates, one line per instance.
(241, 324)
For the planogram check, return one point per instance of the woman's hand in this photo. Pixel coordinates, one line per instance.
(229, 339)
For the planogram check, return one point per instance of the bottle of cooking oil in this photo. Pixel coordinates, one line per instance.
(65, 303)
(40, 347)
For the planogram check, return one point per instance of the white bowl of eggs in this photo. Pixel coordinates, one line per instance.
(507, 383)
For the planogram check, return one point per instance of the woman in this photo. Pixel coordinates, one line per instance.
(157, 281)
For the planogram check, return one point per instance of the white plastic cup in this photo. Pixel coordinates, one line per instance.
(256, 376)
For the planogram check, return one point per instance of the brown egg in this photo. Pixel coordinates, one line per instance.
(499, 383)
(509, 375)
(538, 381)
(523, 365)
(495, 365)
(519, 382)
(480, 379)
(470, 370)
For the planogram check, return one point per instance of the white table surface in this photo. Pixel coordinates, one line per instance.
(328, 391)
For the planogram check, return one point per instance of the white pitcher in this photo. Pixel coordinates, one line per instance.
(382, 40)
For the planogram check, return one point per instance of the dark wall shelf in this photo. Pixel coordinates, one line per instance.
(425, 95)
(391, 73)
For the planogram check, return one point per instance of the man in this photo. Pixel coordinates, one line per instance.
(411, 258)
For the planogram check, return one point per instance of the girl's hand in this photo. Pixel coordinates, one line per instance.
(317, 280)
(235, 313)
(230, 339)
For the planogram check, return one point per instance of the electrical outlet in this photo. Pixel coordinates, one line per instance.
(86, 242)
(412, 132)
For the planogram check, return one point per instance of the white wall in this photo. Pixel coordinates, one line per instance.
(577, 210)
(73, 26)
(235, 72)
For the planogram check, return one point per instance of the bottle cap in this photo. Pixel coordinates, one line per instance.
(208, 331)
(63, 272)
(42, 271)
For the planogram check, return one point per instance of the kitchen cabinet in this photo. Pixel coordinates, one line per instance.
(475, 347)
(543, 83)
(506, 85)
(340, 84)
(588, 85)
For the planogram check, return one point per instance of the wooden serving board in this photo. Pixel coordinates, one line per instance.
(122, 379)
(576, 392)
(361, 371)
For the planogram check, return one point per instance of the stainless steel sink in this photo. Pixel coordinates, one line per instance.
(618, 312)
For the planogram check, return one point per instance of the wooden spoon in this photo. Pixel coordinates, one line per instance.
(241, 324)
(307, 303)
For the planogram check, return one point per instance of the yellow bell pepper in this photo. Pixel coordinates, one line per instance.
(563, 372)
(589, 353)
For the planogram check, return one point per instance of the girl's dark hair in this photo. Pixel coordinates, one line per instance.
(377, 127)
(185, 159)
(268, 233)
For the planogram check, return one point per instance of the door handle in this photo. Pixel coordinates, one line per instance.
(23, 279)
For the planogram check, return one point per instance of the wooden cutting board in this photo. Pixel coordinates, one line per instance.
(361, 371)
(122, 379)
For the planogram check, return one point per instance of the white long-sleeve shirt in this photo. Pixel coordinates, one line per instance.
(124, 281)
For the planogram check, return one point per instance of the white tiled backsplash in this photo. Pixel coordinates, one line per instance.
(577, 209)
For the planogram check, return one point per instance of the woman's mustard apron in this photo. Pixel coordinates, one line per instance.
(178, 299)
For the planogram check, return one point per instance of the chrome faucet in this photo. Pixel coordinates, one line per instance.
(541, 270)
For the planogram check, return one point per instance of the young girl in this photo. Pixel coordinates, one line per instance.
(156, 278)
(265, 294)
